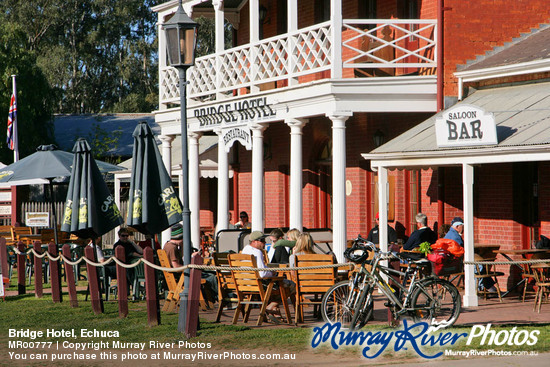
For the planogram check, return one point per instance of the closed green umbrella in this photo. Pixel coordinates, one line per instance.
(90, 210)
(153, 205)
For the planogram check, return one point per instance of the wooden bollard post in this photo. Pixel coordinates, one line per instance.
(21, 269)
(37, 270)
(55, 274)
(4, 258)
(151, 294)
(122, 283)
(192, 321)
(93, 284)
(69, 274)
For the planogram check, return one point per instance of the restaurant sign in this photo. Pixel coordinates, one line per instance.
(465, 125)
(235, 113)
(37, 219)
(233, 134)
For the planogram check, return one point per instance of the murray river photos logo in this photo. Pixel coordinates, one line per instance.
(420, 337)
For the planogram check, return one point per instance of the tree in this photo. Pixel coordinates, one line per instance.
(98, 55)
(34, 105)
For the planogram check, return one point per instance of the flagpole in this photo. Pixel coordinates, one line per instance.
(15, 137)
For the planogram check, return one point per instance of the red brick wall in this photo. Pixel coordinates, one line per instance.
(474, 27)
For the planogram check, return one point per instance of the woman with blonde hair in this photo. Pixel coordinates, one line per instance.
(282, 247)
(304, 245)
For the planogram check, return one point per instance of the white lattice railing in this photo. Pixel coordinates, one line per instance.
(401, 46)
(393, 43)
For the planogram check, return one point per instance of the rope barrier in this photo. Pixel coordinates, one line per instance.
(173, 270)
(211, 267)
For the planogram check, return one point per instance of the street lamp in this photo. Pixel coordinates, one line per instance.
(181, 38)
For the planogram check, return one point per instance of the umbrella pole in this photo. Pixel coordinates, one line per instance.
(52, 201)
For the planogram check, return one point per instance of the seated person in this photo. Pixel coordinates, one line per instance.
(131, 250)
(304, 246)
(455, 232)
(278, 254)
(244, 223)
(422, 234)
(173, 247)
(255, 247)
(373, 234)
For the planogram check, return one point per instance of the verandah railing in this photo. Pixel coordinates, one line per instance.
(393, 46)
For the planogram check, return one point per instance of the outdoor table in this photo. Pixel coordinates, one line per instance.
(29, 238)
(485, 250)
(524, 253)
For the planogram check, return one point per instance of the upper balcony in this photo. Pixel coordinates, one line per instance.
(354, 48)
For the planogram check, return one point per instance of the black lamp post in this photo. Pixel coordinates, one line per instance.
(181, 38)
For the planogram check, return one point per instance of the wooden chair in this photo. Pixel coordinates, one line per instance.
(487, 273)
(18, 232)
(174, 288)
(250, 290)
(311, 284)
(6, 232)
(542, 279)
(226, 285)
(529, 274)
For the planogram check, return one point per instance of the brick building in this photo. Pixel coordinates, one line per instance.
(317, 99)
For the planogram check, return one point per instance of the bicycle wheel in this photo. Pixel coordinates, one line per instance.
(335, 307)
(436, 301)
(363, 309)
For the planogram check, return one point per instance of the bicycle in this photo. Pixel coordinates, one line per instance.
(427, 298)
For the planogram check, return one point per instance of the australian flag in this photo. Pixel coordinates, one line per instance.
(12, 122)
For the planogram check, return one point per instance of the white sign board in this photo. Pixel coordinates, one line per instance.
(240, 134)
(465, 125)
(5, 209)
(37, 219)
(5, 195)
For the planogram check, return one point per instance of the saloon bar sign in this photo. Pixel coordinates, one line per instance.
(465, 125)
(238, 112)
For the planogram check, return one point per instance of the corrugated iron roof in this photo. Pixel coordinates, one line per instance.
(522, 117)
(530, 47)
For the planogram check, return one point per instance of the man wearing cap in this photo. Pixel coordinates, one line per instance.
(455, 232)
(173, 247)
(374, 233)
(255, 247)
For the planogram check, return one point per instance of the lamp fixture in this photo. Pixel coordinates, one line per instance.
(378, 138)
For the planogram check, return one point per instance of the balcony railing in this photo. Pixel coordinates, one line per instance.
(369, 48)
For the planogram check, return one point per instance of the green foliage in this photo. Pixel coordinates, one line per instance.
(97, 55)
(425, 248)
(34, 102)
(102, 141)
(206, 38)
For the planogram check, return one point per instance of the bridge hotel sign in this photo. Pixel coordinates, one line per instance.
(465, 125)
(233, 118)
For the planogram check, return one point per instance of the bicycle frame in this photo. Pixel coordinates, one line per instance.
(375, 277)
